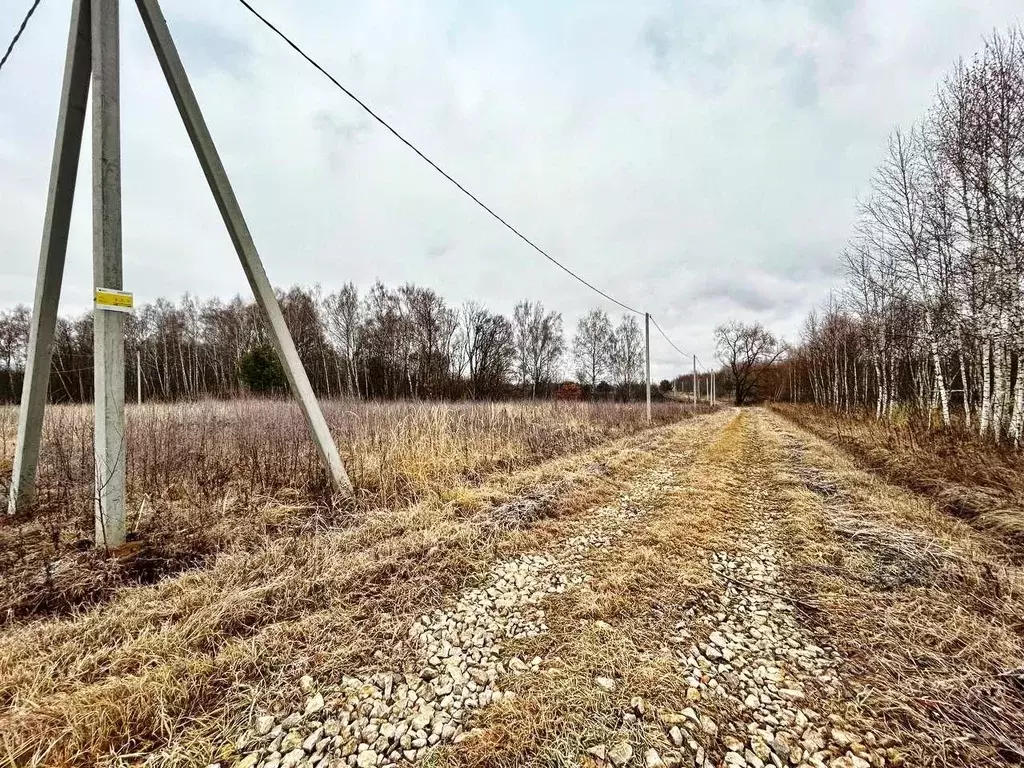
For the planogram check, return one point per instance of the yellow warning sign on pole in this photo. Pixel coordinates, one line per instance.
(116, 301)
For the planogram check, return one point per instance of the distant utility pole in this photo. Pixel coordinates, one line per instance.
(647, 358)
(93, 50)
(138, 376)
(694, 381)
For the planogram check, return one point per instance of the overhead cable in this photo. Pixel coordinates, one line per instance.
(662, 332)
(430, 162)
(17, 35)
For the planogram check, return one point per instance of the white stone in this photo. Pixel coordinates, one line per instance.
(652, 759)
(264, 725)
(620, 754)
(708, 725)
(605, 683)
(314, 704)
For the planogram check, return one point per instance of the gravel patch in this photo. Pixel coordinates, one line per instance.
(759, 663)
(395, 718)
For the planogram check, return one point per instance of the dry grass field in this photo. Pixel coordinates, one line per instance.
(217, 476)
(728, 589)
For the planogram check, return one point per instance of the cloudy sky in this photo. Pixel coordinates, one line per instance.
(698, 159)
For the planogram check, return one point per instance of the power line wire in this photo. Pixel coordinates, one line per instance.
(17, 35)
(430, 162)
(677, 349)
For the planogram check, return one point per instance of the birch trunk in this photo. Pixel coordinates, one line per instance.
(999, 376)
(985, 418)
(966, 388)
(1017, 420)
(940, 381)
(880, 394)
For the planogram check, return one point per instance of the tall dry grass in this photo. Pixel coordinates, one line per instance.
(213, 476)
(972, 478)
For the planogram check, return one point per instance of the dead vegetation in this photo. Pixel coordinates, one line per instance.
(927, 610)
(225, 476)
(967, 476)
(164, 671)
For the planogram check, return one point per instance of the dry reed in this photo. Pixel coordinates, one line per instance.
(926, 608)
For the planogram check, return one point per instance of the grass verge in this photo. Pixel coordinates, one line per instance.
(226, 476)
(926, 609)
(968, 477)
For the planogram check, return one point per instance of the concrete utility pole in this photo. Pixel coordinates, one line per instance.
(647, 357)
(138, 376)
(93, 47)
(694, 381)
(108, 325)
(63, 174)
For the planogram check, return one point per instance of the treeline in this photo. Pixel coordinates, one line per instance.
(931, 316)
(387, 343)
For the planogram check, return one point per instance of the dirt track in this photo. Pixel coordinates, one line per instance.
(750, 598)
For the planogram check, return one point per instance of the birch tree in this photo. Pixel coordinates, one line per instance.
(592, 348)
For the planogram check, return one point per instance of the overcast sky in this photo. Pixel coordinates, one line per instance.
(700, 160)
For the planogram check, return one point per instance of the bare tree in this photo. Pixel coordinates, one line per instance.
(14, 325)
(897, 212)
(626, 359)
(592, 347)
(539, 344)
(934, 313)
(387, 343)
(343, 318)
(432, 326)
(488, 349)
(748, 351)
